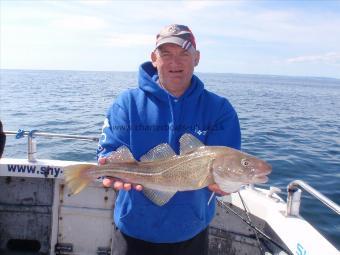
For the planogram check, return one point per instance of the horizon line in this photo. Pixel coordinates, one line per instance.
(200, 72)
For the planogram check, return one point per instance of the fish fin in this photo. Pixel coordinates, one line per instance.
(189, 143)
(122, 154)
(161, 151)
(227, 186)
(77, 177)
(158, 197)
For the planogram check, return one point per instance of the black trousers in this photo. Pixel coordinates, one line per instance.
(126, 245)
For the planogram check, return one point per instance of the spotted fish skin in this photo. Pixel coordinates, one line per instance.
(162, 173)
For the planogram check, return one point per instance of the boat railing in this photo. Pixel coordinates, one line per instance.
(294, 193)
(294, 197)
(31, 142)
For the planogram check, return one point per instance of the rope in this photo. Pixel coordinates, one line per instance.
(20, 134)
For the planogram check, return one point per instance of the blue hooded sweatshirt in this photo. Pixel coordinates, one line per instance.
(144, 117)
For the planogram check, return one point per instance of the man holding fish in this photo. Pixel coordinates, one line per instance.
(168, 147)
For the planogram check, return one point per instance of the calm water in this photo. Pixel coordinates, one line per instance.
(294, 123)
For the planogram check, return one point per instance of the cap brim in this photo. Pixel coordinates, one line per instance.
(174, 40)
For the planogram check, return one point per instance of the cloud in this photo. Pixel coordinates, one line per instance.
(330, 58)
(294, 36)
(201, 5)
(79, 22)
(96, 2)
(128, 40)
(270, 25)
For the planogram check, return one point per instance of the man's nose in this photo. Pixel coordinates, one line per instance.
(175, 59)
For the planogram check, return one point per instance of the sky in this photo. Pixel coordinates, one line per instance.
(296, 38)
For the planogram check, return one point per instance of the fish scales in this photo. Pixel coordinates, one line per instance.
(184, 172)
(190, 174)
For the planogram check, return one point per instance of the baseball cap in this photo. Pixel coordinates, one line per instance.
(177, 34)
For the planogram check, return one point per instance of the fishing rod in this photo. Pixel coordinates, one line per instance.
(250, 224)
(255, 232)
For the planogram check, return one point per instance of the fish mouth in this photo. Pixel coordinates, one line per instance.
(261, 174)
(260, 179)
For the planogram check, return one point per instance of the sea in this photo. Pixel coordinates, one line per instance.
(292, 122)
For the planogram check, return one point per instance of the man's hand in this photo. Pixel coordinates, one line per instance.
(215, 188)
(116, 183)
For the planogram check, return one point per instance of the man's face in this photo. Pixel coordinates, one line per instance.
(175, 67)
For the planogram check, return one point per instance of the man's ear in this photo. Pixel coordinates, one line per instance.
(197, 57)
(154, 59)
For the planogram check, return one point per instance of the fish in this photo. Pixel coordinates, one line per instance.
(162, 172)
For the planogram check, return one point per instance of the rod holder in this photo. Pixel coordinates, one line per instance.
(293, 199)
(293, 202)
(32, 147)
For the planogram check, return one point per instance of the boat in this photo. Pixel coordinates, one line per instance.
(38, 216)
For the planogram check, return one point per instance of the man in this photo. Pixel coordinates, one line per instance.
(169, 102)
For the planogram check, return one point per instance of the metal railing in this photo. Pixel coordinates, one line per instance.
(31, 142)
(294, 193)
(294, 197)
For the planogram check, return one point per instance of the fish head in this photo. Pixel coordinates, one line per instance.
(236, 166)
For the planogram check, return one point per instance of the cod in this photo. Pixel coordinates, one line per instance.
(162, 172)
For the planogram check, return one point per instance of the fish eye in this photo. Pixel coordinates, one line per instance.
(245, 162)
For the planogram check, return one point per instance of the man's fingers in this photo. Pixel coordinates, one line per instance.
(118, 185)
(215, 188)
(138, 187)
(107, 182)
(127, 186)
(111, 182)
(101, 161)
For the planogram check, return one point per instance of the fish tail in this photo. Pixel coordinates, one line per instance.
(77, 177)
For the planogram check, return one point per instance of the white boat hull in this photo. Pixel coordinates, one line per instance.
(83, 223)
